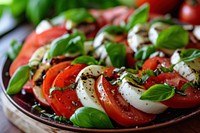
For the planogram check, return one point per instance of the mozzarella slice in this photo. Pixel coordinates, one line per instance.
(189, 70)
(38, 55)
(43, 26)
(132, 92)
(86, 86)
(155, 30)
(37, 91)
(196, 32)
(37, 84)
(101, 38)
(138, 37)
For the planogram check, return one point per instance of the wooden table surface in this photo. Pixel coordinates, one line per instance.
(191, 125)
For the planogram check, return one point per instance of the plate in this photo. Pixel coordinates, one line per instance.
(24, 103)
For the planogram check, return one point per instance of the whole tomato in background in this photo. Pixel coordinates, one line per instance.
(160, 6)
(190, 12)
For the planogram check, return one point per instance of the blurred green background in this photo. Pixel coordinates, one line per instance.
(36, 10)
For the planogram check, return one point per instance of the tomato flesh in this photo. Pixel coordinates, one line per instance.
(192, 97)
(190, 13)
(117, 108)
(66, 101)
(32, 43)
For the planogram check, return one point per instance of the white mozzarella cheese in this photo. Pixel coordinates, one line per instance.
(132, 92)
(43, 26)
(196, 32)
(86, 86)
(189, 70)
(138, 37)
(154, 31)
(101, 38)
(38, 55)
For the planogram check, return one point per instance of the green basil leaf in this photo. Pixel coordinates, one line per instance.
(67, 44)
(139, 16)
(117, 53)
(89, 60)
(172, 38)
(112, 29)
(71, 86)
(158, 92)
(165, 20)
(18, 8)
(17, 81)
(189, 54)
(78, 16)
(36, 10)
(88, 117)
(145, 52)
(14, 50)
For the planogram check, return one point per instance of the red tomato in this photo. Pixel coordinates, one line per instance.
(153, 63)
(50, 76)
(66, 101)
(32, 43)
(160, 6)
(192, 97)
(116, 107)
(190, 13)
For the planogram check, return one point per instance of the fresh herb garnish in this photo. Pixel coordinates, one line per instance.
(89, 60)
(77, 16)
(145, 52)
(188, 55)
(172, 38)
(71, 86)
(17, 81)
(69, 43)
(139, 16)
(88, 117)
(15, 47)
(113, 29)
(158, 92)
(51, 116)
(117, 53)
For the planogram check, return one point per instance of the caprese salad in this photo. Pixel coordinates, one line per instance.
(99, 67)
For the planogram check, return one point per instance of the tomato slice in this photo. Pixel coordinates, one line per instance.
(50, 76)
(117, 108)
(66, 101)
(155, 62)
(32, 43)
(192, 97)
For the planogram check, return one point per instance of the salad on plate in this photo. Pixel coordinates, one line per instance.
(118, 67)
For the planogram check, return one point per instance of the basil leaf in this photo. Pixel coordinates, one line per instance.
(139, 16)
(117, 53)
(88, 117)
(189, 54)
(67, 44)
(189, 84)
(89, 60)
(172, 38)
(112, 29)
(71, 86)
(77, 16)
(166, 20)
(145, 52)
(18, 8)
(14, 50)
(158, 92)
(18, 80)
(36, 10)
